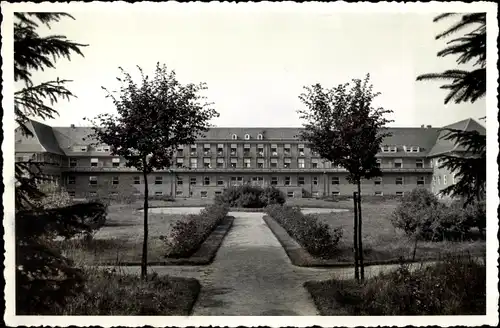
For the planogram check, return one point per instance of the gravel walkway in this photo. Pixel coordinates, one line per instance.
(252, 275)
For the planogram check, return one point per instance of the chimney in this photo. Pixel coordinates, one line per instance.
(422, 126)
(429, 126)
(72, 126)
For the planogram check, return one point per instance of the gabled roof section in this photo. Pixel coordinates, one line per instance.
(42, 141)
(443, 146)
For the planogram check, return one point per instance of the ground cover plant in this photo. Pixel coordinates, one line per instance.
(307, 230)
(456, 286)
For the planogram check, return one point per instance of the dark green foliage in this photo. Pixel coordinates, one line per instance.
(456, 286)
(248, 196)
(469, 167)
(465, 85)
(421, 215)
(159, 111)
(312, 234)
(188, 234)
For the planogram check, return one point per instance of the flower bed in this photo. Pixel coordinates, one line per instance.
(315, 236)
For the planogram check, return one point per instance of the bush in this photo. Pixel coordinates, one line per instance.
(248, 196)
(188, 234)
(312, 234)
(421, 215)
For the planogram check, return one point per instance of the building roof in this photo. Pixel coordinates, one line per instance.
(61, 140)
(443, 146)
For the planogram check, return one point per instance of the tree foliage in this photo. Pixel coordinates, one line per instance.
(465, 85)
(154, 118)
(43, 275)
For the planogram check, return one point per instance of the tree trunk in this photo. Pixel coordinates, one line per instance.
(356, 265)
(144, 260)
(360, 238)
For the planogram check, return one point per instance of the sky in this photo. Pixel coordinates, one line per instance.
(256, 63)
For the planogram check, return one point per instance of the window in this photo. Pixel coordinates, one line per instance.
(274, 162)
(220, 150)
(234, 149)
(315, 194)
(260, 150)
(115, 180)
(412, 149)
(220, 163)
(419, 163)
(247, 137)
(335, 193)
(421, 181)
(274, 181)
(71, 193)
(206, 163)
(180, 150)
(301, 181)
(301, 150)
(204, 194)
(286, 149)
(180, 163)
(234, 162)
(113, 193)
(246, 150)
(180, 182)
(287, 163)
(335, 180)
(178, 192)
(379, 162)
(106, 149)
(289, 194)
(72, 162)
(194, 163)
(399, 181)
(247, 162)
(398, 163)
(438, 179)
(400, 193)
(93, 181)
(385, 149)
(287, 181)
(314, 153)
(80, 148)
(99, 149)
(377, 181)
(206, 181)
(137, 180)
(379, 193)
(444, 179)
(218, 193)
(158, 180)
(234, 137)
(206, 149)
(94, 161)
(315, 181)
(260, 163)
(220, 182)
(274, 150)
(192, 181)
(116, 162)
(301, 163)
(314, 163)
(71, 179)
(193, 151)
(257, 180)
(93, 194)
(454, 179)
(158, 193)
(394, 149)
(260, 137)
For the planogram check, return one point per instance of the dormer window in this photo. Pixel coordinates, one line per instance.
(247, 137)
(260, 137)
(234, 137)
(394, 149)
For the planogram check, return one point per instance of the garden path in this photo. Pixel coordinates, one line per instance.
(252, 275)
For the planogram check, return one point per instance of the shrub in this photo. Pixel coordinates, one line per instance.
(422, 216)
(312, 234)
(188, 234)
(248, 196)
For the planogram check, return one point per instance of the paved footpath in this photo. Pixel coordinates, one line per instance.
(252, 275)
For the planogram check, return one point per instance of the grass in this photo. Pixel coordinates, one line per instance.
(381, 241)
(453, 287)
(112, 293)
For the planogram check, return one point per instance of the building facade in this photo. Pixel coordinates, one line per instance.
(232, 156)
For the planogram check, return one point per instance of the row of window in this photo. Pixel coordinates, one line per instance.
(247, 163)
(239, 180)
(436, 179)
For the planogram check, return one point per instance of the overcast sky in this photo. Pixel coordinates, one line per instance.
(256, 63)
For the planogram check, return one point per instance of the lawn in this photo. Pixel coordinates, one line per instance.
(115, 293)
(120, 240)
(381, 241)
